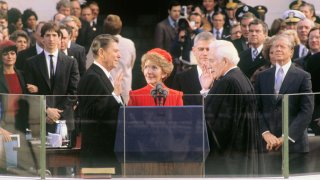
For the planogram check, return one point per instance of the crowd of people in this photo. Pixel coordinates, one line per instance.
(201, 50)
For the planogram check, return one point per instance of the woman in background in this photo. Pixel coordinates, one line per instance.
(11, 79)
(21, 39)
(156, 66)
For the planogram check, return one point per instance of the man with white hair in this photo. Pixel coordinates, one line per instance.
(231, 118)
(303, 28)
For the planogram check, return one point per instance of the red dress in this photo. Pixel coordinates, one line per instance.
(142, 97)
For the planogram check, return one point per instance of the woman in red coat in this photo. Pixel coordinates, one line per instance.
(156, 66)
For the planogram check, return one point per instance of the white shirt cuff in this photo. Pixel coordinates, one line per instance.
(117, 98)
(293, 141)
(265, 132)
(204, 92)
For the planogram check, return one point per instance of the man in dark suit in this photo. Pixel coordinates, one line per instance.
(72, 49)
(53, 74)
(231, 119)
(251, 59)
(98, 19)
(166, 30)
(242, 43)
(303, 28)
(24, 55)
(99, 113)
(189, 81)
(219, 31)
(314, 47)
(85, 31)
(312, 65)
(284, 78)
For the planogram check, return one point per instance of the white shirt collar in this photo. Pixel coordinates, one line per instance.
(117, 98)
(171, 21)
(220, 30)
(69, 44)
(38, 48)
(210, 14)
(54, 58)
(284, 67)
(55, 53)
(229, 70)
(259, 48)
(103, 69)
(199, 71)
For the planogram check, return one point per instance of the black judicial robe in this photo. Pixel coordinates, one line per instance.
(232, 126)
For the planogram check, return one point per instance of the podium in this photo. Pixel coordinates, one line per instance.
(162, 141)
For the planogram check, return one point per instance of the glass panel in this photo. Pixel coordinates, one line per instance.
(62, 133)
(304, 139)
(20, 135)
(235, 125)
(82, 140)
(162, 141)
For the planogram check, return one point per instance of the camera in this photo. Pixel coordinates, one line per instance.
(184, 12)
(183, 24)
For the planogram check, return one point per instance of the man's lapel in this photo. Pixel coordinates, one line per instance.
(288, 79)
(42, 63)
(60, 70)
(104, 77)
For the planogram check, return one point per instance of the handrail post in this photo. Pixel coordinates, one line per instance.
(285, 129)
(43, 137)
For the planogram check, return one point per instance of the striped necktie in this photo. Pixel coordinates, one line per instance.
(255, 53)
(278, 80)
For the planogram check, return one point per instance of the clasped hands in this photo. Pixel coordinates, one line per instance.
(273, 143)
(53, 115)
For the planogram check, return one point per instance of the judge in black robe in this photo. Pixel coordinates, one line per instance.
(230, 112)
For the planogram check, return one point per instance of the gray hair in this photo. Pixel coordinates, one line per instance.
(63, 3)
(203, 36)
(102, 41)
(225, 49)
(311, 23)
(284, 38)
(66, 20)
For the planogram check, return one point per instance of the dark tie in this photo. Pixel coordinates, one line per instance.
(51, 71)
(218, 35)
(209, 18)
(175, 26)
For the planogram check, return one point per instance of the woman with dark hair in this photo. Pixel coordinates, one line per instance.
(29, 20)
(156, 66)
(11, 79)
(14, 20)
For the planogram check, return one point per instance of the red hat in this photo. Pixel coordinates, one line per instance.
(7, 45)
(162, 53)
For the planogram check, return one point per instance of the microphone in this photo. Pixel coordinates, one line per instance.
(159, 94)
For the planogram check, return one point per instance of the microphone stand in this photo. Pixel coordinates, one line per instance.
(159, 95)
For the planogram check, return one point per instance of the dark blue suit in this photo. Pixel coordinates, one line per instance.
(300, 112)
(248, 65)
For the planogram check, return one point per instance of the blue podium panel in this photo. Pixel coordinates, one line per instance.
(161, 134)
